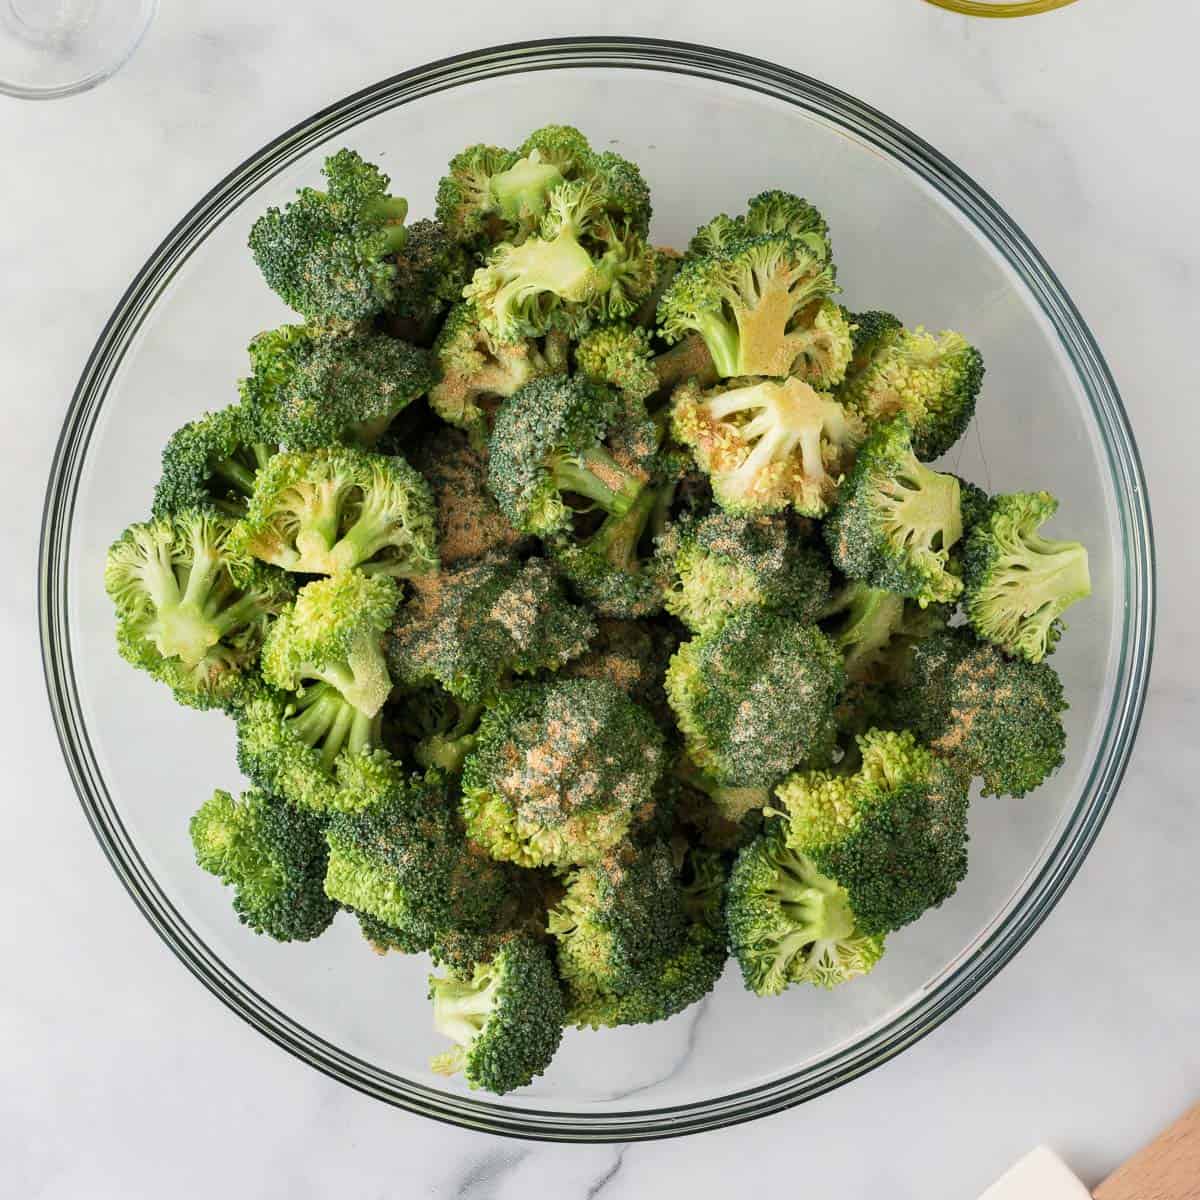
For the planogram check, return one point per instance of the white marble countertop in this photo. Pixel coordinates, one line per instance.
(121, 1077)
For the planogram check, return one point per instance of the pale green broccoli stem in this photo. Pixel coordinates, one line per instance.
(371, 532)
(617, 539)
(1059, 568)
(460, 1012)
(324, 716)
(233, 472)
(722, 341)
(189, 624)
(391, 211)
(319, 524)
(588, 475)
(449, 750)
(562, 267)
(523, 188)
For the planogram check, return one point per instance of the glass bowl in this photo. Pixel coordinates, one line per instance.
(912, 234)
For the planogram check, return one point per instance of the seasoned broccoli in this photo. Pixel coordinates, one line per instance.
(634, 656)
(559, 772)
(478, 371)
(1019, 583)
(471, 627)
(273, 855)
(549, 442)
(315, 387)
(583, 267)
(327, 254)
(191, 611)
(721, 562)
(431, 271)
(993, 717)
(897, 520)
(933, 379)
(756, 697)
(333, 633)
(768, 444)
(505, 1019)
(769, 212)
(324, 511)
(788, 923)
(212, 462)
(622, 356)
(893, 833)
(975, 503)
(759, 304)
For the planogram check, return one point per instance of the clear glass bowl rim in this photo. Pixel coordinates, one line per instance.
(987, 957)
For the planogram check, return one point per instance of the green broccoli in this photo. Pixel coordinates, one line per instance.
(559, 771)
(315, 387)
(896, 520)
(471, 627)
(435, 729)
(549, 443)
(893, 833)
(327, 254)
(212, 462)
(768, 444)
(991, 716)
(634, 656)
(622, 356)
(333, 633)
(273, 856)
(505, 1019)
(431, 271)
(721, 562)
(756, 697)
(769, 212)
(323, 511)
(933, 379)
(760, 305)
(1019, 583)
(191, 611)
(788, 923)
(478, 371)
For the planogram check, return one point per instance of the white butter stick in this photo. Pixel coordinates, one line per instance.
(1040, 1175)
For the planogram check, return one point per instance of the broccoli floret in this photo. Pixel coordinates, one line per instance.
(893, 833)
(756, 697)
(212, 462)
(313, 387)
(1019, 583)
(769, 212)
(505, 1019)
(933, 379)
(466, 205)
(897, 520)
(327, 253)
(431, 271)
(990, 716)
(437, 729)
(634, 656)
(583, 267)
(333, 633)
(622, 356)
(469, 522)
(191, 611)
(273, 856)
(721, 562)
(756, 303)
(975, 503)
(478, 371)
(472, 627)
(559, 772)
(788, 923)
(768, 444)
(324, 511)
(548, 442)
(404, 862)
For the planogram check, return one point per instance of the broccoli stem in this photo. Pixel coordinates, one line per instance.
(690, 359)
(617, 539)
(523, 188)
(598, 477)
(449, 749)
(722, 341)
(233, 472)
(391, 211)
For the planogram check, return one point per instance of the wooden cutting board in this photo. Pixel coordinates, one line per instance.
(1167, 1169)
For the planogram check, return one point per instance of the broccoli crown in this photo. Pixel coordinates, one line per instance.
(788, 923)
(559, 772)
(767, 444)
(314, 748)
(584, 266)
(975, 503)
(273, 856)
(505, 1018)
(212, 462)
(893, 834)
(326, 254)
(431, 271)
(469, 522)
(772, 211)
(404, 862)
(472, 626)
(333, 633)
(1019, 583)
(896, 520)
(478, 371)
(621, 356)
(634, 656)
(191, 611)
(756, 302)
(933, 379)
(319, 512)
(548, 442)
(756, 697)
(721, 562)
(991, 716)
(315, 387)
